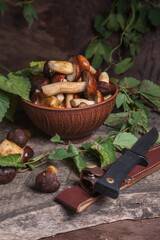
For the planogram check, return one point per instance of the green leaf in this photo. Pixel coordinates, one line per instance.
(154, 17)
(78, 159)
(138, 120)
(112, 23)
(123, 66)
(106, 150)
(140, 104)
(3, 8)
(121, 20)
(123, 100)
(91, 49)
(16, 84)
(116, 120)
(151, 92)
(129, 82)
(124, 140)
(141, 24)
(12, 107)
(40, 64)
(150, 88)
(57, 139)
(4, 104)
(29, 13)
(60, 153)
(134, 49)
(11, 160)
(106, 51)
(97, 60)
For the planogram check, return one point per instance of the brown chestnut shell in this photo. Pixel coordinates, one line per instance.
(28, 153)
(18, 136)
(7, 174)
(47, 182)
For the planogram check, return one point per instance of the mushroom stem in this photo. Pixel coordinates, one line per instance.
(92, 70)
(69, 97)
(63, 87)
(104, 77)
(61, 66)
(77, 101)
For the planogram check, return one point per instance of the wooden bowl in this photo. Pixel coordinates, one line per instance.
(75, 124)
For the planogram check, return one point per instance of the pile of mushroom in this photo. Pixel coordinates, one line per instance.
(70, 84)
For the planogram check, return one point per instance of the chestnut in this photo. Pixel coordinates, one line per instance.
(7, 174)
(27, 154)
(46, 181)
(38, 81)
(18, 136)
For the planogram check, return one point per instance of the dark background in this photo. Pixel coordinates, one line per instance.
(65, 28)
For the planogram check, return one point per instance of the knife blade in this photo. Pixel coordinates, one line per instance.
(111, 181)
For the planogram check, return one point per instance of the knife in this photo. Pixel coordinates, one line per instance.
(111, 181)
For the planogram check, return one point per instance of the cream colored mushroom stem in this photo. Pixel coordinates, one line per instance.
(63, 87)
(61, 66)
(78, 101)
(69, 97)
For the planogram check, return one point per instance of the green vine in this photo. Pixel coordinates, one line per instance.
(131, 20)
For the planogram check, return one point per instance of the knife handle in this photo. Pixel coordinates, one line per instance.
(111, 181)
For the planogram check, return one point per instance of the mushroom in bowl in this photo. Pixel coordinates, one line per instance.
(74, 101)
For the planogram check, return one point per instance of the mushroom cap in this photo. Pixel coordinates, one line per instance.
(83, 62)
(57, 77)
(105, 88)
(91, 85)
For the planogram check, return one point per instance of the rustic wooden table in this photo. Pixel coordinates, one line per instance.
(27, 214)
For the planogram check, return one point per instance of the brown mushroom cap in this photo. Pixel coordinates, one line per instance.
(73, 77)
(47, 71)
(38, 81)
(106, 88)
(83, 62)
(57, 77)
(91, 85)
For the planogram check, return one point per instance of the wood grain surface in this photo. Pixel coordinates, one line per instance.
(25, 211)
(145, 229)
(65, 28)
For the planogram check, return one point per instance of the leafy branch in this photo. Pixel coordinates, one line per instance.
(29, 11)
(131, 20)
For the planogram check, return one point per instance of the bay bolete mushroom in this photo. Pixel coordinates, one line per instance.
(63, 87)
(75, 75)
(83, 62)
(81, 102)
(104, 85)
(91, 85)
(60, 66)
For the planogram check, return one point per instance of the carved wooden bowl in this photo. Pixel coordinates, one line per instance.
(75, 124)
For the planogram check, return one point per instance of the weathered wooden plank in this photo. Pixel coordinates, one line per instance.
(25, 211)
